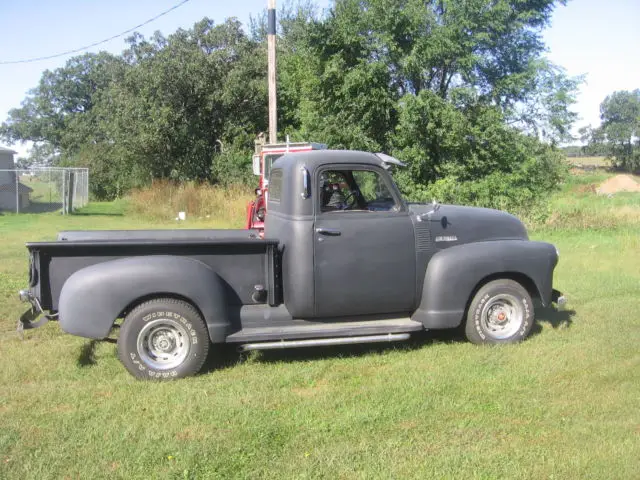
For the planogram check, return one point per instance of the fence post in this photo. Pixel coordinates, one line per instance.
(70, 191)
(17, 191)
(62, 193)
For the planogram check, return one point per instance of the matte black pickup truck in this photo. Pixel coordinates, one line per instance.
(344, 260)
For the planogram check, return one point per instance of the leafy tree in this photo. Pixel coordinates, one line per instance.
(447, 86)
(458, 89)
(618, 136)
(160, 110)
(471, 155)
(23, 163)
(56, 115)
(361, 66)
(593, 140)
(184, 95)
(620, 115)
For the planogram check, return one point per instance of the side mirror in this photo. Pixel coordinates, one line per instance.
(256, 164)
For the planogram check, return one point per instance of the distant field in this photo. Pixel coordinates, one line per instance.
(578, 206)
(563, 404)
(589, 161)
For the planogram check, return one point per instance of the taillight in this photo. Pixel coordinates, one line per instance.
(33, 270)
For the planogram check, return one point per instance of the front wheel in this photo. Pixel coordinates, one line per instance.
(501, 312)
(163, 339)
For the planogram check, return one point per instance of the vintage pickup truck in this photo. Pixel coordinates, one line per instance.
(344, 259)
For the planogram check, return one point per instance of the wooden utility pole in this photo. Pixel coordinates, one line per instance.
(271, 53)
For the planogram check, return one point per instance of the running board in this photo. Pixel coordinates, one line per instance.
(322, 342)
(305, 329)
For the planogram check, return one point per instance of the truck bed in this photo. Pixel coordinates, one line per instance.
(239, 257)
(157, 235)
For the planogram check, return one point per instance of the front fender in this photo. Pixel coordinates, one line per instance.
(93, 297)
(453, 275)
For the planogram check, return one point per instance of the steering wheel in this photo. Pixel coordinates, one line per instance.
(351, 200)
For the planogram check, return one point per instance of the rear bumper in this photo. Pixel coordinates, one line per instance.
(29, 319)
(559, 299)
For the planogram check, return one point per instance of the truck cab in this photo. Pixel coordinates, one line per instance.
(345, 228)
(344, 259)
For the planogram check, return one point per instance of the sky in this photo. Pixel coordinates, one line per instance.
(597, 38)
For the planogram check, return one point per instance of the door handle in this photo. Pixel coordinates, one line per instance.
(329, 231)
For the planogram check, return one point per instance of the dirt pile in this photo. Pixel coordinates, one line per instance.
(619, 183)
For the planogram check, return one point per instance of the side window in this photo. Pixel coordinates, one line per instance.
(334, 191)
(354, 190)
(275, 185)
(373, 191)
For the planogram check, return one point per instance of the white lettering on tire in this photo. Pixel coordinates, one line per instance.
(476, 316)
(527, 316)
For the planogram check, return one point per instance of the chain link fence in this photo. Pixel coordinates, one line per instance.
(49, 189)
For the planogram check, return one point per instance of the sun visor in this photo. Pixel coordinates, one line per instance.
(388, 160)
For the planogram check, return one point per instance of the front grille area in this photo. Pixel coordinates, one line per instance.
(423, 236)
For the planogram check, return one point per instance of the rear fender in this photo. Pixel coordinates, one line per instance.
(93, 297)
(453, 275)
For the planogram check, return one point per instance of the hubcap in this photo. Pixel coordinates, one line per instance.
(163, 344)
(502, 316)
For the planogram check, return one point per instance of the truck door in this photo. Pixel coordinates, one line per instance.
(364, 247)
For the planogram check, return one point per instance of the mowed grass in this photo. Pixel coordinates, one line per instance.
(563, 404)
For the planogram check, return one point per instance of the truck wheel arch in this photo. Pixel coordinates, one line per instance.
(455, 275)
(147, 298)
(93, 297)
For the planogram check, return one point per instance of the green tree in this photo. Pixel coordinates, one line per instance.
(620, 128)
(453, 88)
(57, 114)
(23, 163)
(163, 109)
(458, 89)
(593, 140)
(184, 96)
(355, 68)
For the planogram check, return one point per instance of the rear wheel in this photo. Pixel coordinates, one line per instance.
(500, 312)
(163, 339)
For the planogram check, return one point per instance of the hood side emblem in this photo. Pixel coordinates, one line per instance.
(446, 238)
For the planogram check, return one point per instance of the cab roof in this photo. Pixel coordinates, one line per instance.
(314, 158)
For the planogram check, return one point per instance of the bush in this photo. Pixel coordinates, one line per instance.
(233, 167)
(465, 153)
(163, 199)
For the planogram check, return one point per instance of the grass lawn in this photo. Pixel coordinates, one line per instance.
(563, 404)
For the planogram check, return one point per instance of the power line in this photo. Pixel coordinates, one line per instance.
(86, 47)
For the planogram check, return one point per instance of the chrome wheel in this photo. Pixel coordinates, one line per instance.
(163, 344)
(502, 316)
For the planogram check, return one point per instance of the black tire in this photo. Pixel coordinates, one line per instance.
(500, 312)
(163, 339)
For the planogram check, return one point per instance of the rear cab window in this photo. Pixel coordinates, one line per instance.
(275, 185)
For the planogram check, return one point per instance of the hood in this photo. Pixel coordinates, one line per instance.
(454, 224)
